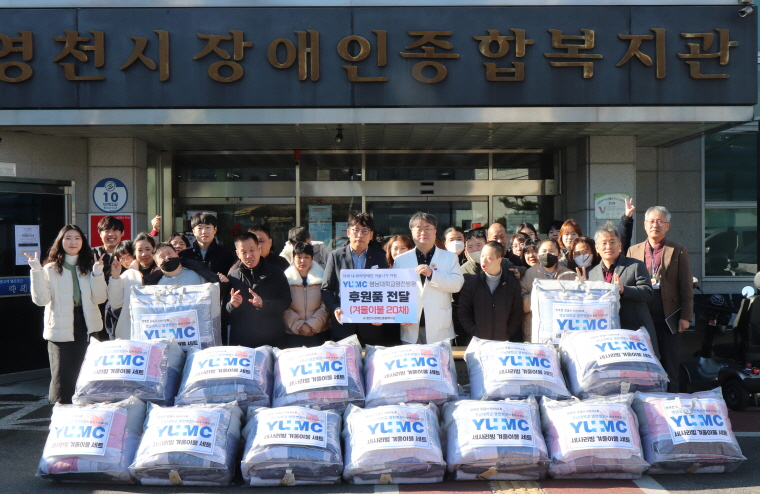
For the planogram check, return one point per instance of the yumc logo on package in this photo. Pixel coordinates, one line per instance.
(313, 368)
(292, 425)
(501, 424)
(394, 427)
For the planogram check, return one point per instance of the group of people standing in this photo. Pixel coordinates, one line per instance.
(474, 283)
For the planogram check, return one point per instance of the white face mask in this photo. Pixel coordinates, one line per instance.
(475, 256)
(583, 260)
(455, 246)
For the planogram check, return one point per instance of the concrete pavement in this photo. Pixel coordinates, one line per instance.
(24, 420)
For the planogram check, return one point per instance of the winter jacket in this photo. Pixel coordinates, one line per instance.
(253, 326)
(492, 316)
(55, 292)
(526, 284)
(119, 291)
(307, 306)
(218, 259)
(321, 253)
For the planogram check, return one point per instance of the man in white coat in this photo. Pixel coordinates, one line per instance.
(440, 276)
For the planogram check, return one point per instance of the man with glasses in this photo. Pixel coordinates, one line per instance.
(358, 254)
(630, 275)
(670, 272)
(440, 277)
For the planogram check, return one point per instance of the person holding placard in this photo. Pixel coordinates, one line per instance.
(440, 277)
(358, 254)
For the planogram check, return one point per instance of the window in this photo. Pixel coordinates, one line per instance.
(730, 247)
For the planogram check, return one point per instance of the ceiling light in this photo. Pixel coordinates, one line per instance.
(339, 135)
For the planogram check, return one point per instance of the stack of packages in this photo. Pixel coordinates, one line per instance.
(292, 446)
(558, 306)
(398, 444)
(500, 369)
(687, 433)
(192, 314)
(596, 438)
(189, 445)
(328, 377)
(495, 440)
(410, 373)
(93, 443)
(115, 370)
(611, 361)
(227, 373)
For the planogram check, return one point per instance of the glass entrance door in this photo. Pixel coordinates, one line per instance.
(392, 215)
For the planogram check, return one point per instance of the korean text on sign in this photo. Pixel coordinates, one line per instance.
(378, 295)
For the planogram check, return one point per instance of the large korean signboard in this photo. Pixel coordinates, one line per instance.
(377, 57)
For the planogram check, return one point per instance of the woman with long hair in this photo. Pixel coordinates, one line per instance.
(397, 245)
(70, 285)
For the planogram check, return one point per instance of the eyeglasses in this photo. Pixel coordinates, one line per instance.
(426, 230)
(656, 222)
(365, 231)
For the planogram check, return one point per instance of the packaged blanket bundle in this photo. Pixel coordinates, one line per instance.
(687, 433)
(397, 444)
(597, 438)
(494, 440)
(189, 445)
(500, 369)
(611, 361)
(328, 377)
(292, 446)
(410, 374)
(115, 370)
(563, 305)
(190, 314)
(93, 443)
(227, 373)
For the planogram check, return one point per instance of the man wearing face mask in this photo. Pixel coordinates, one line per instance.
(490, 305)
(453, 239)
(175, 271)
(475, 241)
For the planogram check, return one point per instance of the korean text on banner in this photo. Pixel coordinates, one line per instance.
(79, 431)
(378, 295)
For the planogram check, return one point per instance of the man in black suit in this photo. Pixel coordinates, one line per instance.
(358, 254)
(631, 276)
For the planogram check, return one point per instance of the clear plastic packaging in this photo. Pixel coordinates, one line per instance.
(687, 433)
(227, 373)
(597, 438)
(611, 361)
(494, 440)
(397, 444)
(189, 445)
(573, 306)
(93, 443)
(115, 370)
(190, 314)
(328, 377)
(292, 446)
(410, 374)
(500, 369)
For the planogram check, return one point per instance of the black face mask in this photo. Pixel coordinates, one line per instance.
(170, 265)
(548, 260)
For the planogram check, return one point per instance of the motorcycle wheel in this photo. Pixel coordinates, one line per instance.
(737, 398)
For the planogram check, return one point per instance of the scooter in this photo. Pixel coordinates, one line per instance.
(723, 365)
(741, 382)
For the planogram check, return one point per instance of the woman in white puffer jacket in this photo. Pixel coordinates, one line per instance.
(71, 309)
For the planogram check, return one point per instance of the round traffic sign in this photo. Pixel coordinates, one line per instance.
(110, 195)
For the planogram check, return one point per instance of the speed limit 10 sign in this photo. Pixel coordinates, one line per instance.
(110, 195)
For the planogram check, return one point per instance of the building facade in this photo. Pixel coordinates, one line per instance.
(296, 113)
